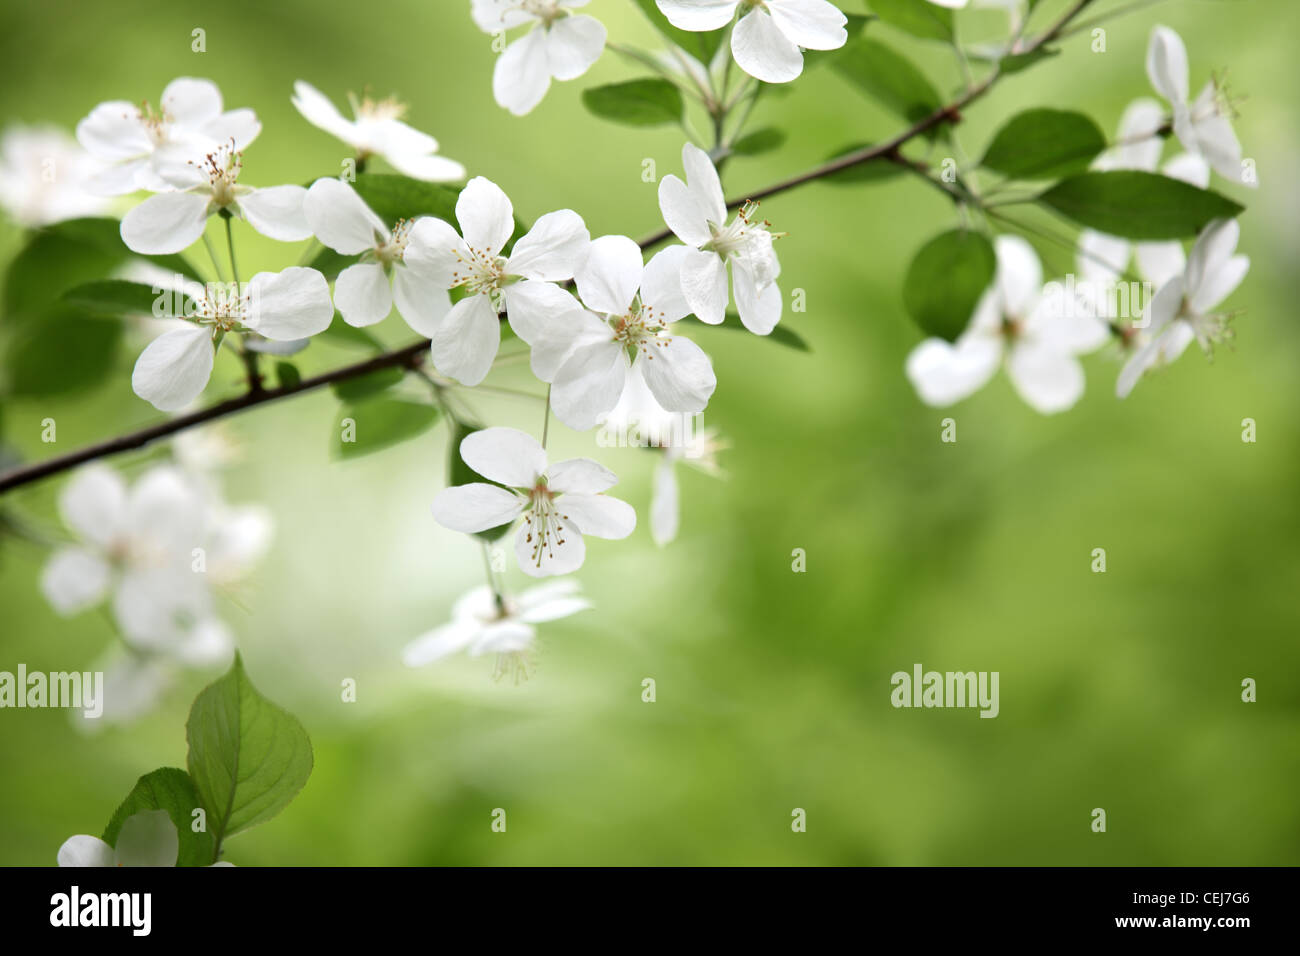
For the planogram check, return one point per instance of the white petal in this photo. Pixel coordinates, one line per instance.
(811, 24)
(552, 249)
(684, 214)
(466, 341)
(504, 455)
(699, 16)
(664, 506)
(599, 515)
(1139, 145)
(113, 131)
(242, 126)
(93, 505)
(494, 15)
(431, 169)
(535, 310)
(580, 476)
(661, 285)
(610, 274)
(763, 51)
(485, 215)
(340, 218)
(83, 850)
(1220, 284)
(1020, 275)
(165, 223)
(292, 304)
(421, 300)
(118, 179)
(74, 579)
(147, 838)
(522, 74)
(434, 249)
(440, 642)
(943, 373)
(1215, 139)
(153, 607)
(363, 294)
(1048, 380)
(503, 637)
(573, 44)
(1158, 262)
(562, 552)
(318, 110)
(1102, 258)
(1211, 252)
(165, 513)
(560, 337)
(759, 311)
(277, 212)
(550, 601)
(475, 507)
(1167, 64)
(706, 187)
(1190, 168)
(589, 383)
(209, 643)
(704, 285)
(679, 373)
(191, 102)
(174, 368)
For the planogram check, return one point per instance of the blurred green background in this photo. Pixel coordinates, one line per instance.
(1119, 690)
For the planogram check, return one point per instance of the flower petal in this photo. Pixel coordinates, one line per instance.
(704, 285)
(191, 102)
(113, 131)
(292, 304)
(552, 249)
(661, 285)
(1019, 277)
(684, 214)
(706, 187)
(465, 343)
(422, 301)
(580, 476)
(573, 44)
(610, 274)
(664, 503)
(561, 551)
(679, 374)
(74, 579)
(165, 223)
(699, 16)
(93, 505)
(504, 455)
(760, 311)
(429, 168)
(277, 212)
(1048, 380)
(1167, 64)
(589, 383)
(1101, 258)
(174, 368)
(1158, 262)
(147, 838)
(435, 250)
(475, 507)
(562, 335)
(485, 215)
(522, 74)
(599, 515)
(534, 308)
(763, 51)
(317, 109)
(1211, 252)
(502, 637)
(440, 642)
(811, 24)
(340, 218)
(363, 294)
(83, 850)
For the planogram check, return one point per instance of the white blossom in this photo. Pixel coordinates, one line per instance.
(45, 175)
(559, 45)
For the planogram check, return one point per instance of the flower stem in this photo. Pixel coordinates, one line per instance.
(546, 417)
(212, 254)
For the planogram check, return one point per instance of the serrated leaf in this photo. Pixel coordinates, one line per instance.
(781, 334)
(946, 279)
(248, 758)
(1044, 144)
(61, 352)
(760, 141)
(890, 79)
(459, 473)
(644, 102)
(920, 18)
(1138, 205)
(172, 790)
(378, 423)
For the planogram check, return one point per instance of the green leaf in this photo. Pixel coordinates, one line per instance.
(64, 351)
(890, 78)
(1044, 144)
(120, 298)
(287, 374)
(1016, 62)
(644, 102)
(781, 334)
(358, 389)
(172, 790)
(702, 46)
(1138, 205)
(921, 18)
(248, 758)
(394, 197)
(67, 254)
(760, 141)
(459, 473)
(340, 333)
(877, 170)
(946, 279)
(378, 423)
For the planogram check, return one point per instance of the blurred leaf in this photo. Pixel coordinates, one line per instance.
(62, 351)
(946, 279)
(118, 297)
(1044, 144)
(702, 46)
(459, 473)
(378, 423)
(1023, 61)
(248, 758)
(340, 333)
(921, 18)
(330, 263)
(1138, 205)
(760, 141)
(644, 102)
(782, 335)
(66, 254)
(172, 790)
(877, 170)
(287, 374)
(890, 79)
(356, 389)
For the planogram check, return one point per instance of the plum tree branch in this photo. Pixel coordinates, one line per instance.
(411, 356)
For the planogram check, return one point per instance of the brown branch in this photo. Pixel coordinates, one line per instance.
(411, 355)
